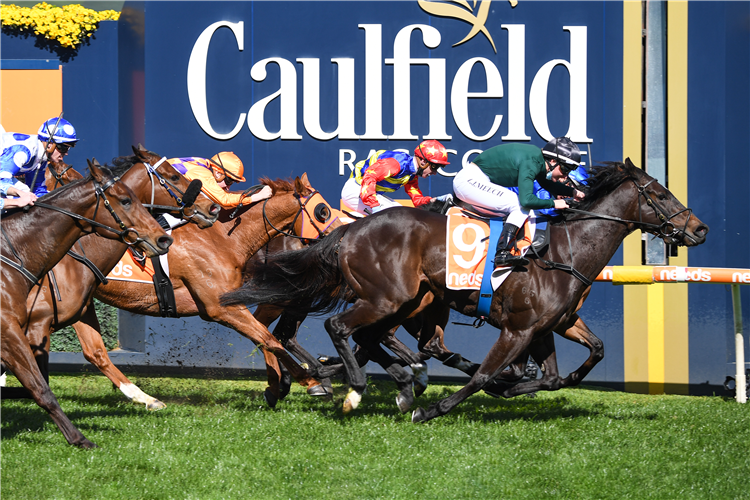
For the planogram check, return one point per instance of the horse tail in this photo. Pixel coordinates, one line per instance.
(309, 279)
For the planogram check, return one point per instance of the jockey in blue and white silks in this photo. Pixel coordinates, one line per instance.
(28, 155)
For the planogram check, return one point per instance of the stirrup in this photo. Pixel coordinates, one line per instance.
(510, 260)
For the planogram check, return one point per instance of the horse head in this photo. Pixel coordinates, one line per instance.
(135, 226)
(643, 203)
(175, 190)
(319, 217)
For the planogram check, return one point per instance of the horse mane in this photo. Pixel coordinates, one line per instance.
(605, 178)
(278, 184)
(433, 206)
(122, 164)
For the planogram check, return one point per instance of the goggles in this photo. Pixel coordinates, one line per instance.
(63, 147)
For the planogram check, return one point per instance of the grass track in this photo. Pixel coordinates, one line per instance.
(216, 440)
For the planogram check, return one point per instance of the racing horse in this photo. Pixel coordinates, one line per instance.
(392, 266)
(34, 241)
(206, 263)
(65, 293)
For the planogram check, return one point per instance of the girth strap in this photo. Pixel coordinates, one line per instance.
(164, 291)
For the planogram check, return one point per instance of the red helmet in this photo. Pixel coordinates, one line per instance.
(432, 151)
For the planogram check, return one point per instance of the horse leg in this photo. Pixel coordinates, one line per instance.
(579, 332)
(432, 343)
(543, 351)
(340, 327)
(89, 334)
(240, 319)
(403, 380)
(286, 332)
(507, 348)
(415, 361)
(17, 356)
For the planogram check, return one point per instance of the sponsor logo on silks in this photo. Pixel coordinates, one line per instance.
(464, 12)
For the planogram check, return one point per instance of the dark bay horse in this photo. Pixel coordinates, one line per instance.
(218, 253)
(64, 299)
(33, 242)
(392, 266)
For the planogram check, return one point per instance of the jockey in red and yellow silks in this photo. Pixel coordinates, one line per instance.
(386, 171)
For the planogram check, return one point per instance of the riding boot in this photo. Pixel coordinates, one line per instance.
(503, 257)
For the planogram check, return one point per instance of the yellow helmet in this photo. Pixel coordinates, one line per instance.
(230, 164)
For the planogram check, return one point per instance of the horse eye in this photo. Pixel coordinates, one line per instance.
(126, 202)
(662, 196)
(175, 178)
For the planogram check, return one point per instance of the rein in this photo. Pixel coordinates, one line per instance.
(58, 175)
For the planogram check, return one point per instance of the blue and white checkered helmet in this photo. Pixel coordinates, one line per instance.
(61, 132)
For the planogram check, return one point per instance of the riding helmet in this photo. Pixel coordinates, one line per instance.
(564, 150)
(57, 130)
(230, 164)
(432, 151)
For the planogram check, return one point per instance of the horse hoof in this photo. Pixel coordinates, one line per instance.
(418, 415)
(270, 398)
(420, 378)
(403, 403)
(317, 390)
(155, 405)
(352, 401)
(86, 444)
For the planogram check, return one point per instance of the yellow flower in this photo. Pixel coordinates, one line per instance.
(69, 25)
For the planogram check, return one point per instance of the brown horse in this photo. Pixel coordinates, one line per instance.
(356, 262)
(222, 251)
(33, 242)
(155, 183)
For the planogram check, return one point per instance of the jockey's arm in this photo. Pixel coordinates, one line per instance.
(412, 189)
(374, 174)
(213, 191)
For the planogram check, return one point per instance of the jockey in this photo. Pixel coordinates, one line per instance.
(217, 174)
(486, 182)
(28, 154)
(387, 171)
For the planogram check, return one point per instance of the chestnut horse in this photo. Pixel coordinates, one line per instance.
(221, 252)
(64, 299)
(33, 242)
(356, 262)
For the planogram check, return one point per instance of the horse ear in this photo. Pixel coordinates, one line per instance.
(629, 163)
(95, 170)
(306, 182)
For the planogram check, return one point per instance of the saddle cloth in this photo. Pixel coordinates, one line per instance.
(129, 269)
(467, 245)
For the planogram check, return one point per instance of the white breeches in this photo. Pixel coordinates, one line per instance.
(473, 186)
(350, 195)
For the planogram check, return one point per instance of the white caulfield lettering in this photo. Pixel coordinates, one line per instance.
(577, 68)
(196, 77)
(344, 162)
(402, 62)
(287, 94)
(460, 96)
(311, 99)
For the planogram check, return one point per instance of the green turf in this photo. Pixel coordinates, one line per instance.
(217, 439)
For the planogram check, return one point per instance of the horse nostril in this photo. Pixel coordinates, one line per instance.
(164, 242)
(702, 230)
(214, 209)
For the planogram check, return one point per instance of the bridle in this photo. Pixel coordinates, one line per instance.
(320, 213)
(171, 188)
(100, 191)
(666, 229)
(57, 175)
